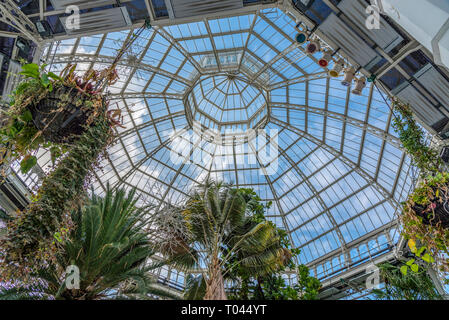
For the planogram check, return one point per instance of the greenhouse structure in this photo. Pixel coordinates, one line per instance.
(224, 149)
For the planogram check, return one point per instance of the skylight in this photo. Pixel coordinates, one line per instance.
(340, 172)
(227, 102)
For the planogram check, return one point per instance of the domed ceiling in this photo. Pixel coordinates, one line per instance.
(207, 99)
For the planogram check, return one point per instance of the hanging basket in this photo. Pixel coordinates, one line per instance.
(62, 115)
(440, 214)
(437, 212)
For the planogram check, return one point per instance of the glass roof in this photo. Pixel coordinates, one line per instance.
(339, 172)
(229, 102)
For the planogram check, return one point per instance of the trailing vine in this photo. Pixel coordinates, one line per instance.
(33, 237)
(39, 107)
(424, 215)
(412, 138)
(68, 115)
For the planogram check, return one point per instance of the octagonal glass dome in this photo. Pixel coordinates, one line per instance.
(339, 172)
(227, 102)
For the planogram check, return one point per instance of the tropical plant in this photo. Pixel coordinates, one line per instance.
(48, 111)
(412, 138)
(269, 284)
(425, 214)
(273, 286)
(195, 287)
(111, 248)
(425, 218)
(213, 228)
(31, 235)
(415, 285)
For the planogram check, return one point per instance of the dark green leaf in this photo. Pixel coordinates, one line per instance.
(27, 163)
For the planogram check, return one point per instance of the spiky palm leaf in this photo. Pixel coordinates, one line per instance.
(109, 246)
(195, 288)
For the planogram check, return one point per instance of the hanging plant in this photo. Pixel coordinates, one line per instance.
(412, 138)
(50, 111)
(425, 215)
(69, 116)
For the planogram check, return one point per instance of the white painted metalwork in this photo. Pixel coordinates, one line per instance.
(341, 173)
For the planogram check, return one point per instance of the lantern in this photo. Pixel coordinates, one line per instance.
(360, 84)
(338, 68)
(349, 76)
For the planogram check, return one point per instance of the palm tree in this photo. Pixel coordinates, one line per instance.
(215, 231)
(111, 247)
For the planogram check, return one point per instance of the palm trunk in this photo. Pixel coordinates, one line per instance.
(259, 288)
(215, 284)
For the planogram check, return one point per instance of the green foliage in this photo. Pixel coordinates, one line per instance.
(109, 245)
(430, 189)
(413, 139)
(27, 163)
(432, 192)
(308, 286)
(38, 74)
(274, 287)
(221, 226)
(195, 288)
(401, 285)
(269, 284)
(20, 137)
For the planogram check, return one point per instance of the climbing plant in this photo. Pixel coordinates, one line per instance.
(50, 111)
(425, 214)
(412, 138)
(32, 237)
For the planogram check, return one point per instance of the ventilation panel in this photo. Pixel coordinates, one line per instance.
(96, 21)
(385, 37)
(63, 4)
(192, 8)
(346, 39)
(435, 83)
(12, 79)
(423, 108)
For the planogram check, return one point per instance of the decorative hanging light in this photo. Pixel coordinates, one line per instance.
(360, 84)
(313, 47)
(349, 76)
(325, 59)
(338, 68)
(301, 37)
(372, 78)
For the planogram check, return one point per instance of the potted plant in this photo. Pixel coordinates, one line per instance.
(430, 200)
